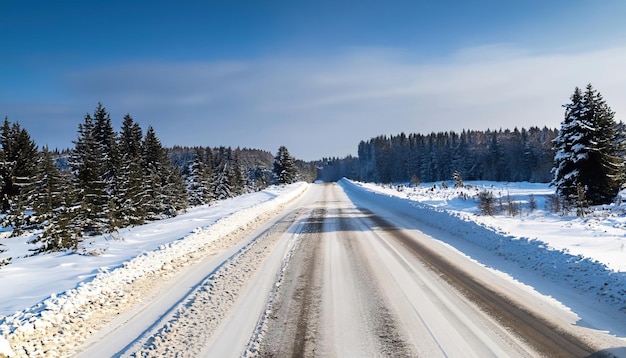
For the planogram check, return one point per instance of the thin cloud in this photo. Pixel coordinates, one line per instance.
(355, 95)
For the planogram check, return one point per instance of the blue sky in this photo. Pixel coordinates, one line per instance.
(316, 76)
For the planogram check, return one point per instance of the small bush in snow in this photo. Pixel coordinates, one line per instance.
(458, 179)
(415, 180)
(486, 203)
(532, 203)
(512, 207)
(553, 204)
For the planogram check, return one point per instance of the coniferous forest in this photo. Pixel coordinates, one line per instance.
(502, 155)
(115, 179)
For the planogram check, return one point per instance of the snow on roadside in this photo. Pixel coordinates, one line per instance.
(586, 253)
(252, 347)
(5, 349)
(54, 321)
(196, 318)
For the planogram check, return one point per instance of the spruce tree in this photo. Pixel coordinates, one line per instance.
(197, 179)
(285, 169)
(193, 182)
(587, 164)
(105, 140)
(602, 171)
(92, 199)
(236, 178)
(50, 186)
(153, 154)
(6, 168)
(51, 206)
(209, 174)
(222, 186)
(164, 191)
(175, 191)
(570, 146)
(20, 155)
(129, 198)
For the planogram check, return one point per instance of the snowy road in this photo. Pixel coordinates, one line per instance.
(337, 275)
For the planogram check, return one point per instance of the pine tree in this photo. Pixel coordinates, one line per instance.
(105, 140)
(92, 199)
(153, 157)
(53, 214)
(620, 146)
(195, 180)
(587, 162)
(6, 167)
(20, 155)
(198, 177)
(175, 191)
(602, 174)
(50, 186)
(209, 173)
(222, 186)
(130, 207)
(236, 178)
(164, 191)
(284, 167)
(570, 146)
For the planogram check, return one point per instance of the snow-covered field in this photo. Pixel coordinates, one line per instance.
(39, 291)
(600, 235)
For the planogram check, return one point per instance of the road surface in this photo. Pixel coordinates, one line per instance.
(335, 275)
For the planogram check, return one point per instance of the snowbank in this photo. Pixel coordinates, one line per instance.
(5, 349)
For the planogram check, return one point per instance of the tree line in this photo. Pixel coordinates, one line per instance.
(499, 155)
(111, 180)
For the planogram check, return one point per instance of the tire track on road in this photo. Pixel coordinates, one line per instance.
(293, 326)
(308, 293)
(548, 339)
(382, 323)
(183, 330)
(328, 303)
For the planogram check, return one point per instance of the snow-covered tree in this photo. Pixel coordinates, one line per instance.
(53, 193)
(164, 191)
(285, 168)
(50, 187)
(222, 184)
(223, 189)
(19, 166)
(106, 146)
(457, 178)
(175, 191)
(571, 147)
(129, 203)
(88, 165)
(587, 162)
(197, 180)
(494, 168)
(237, 178)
